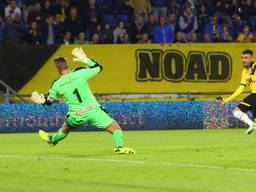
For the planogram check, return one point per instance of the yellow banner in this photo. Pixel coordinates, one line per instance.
(154, 68)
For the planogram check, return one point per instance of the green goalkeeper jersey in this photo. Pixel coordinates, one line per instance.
(74, 88)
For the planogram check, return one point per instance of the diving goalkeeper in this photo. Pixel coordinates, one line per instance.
(82, 105)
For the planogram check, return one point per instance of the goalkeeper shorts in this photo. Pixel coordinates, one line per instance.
(97, 117)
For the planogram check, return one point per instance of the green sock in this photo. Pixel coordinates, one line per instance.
(58, 136)
(118, 138)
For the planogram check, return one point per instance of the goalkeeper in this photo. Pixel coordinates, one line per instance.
(82, 105)
(248, 79)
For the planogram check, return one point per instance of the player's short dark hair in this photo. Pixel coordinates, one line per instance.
(248, 51)
(61, 63)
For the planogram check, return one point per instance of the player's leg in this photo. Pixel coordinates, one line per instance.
(102, 119)
(56, 137)
(117, 133)
(240, 112)
(71, 123)
(61, 134)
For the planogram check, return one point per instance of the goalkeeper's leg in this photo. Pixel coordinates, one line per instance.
(102, 119)
(61, 134)
(117, 133)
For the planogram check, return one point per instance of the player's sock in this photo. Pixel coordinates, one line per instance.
(118, 138)
(58, 136)
(243, 117)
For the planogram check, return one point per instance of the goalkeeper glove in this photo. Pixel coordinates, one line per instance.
(37, 98)
(79, 54)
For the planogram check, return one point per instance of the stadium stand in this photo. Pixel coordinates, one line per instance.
(48, 21)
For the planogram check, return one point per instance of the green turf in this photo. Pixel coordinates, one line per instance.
(173, 161)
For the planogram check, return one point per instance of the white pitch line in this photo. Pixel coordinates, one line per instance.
(183, 165)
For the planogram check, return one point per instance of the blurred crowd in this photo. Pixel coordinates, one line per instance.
(126, 21)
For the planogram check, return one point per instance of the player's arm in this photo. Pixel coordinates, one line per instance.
(39, 98)
(93, 67)
(239, 90)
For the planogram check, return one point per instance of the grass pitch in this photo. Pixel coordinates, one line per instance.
(173, 161)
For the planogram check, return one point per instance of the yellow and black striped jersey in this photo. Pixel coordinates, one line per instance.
(248, 79)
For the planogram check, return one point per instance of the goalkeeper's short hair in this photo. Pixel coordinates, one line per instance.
(61, 63)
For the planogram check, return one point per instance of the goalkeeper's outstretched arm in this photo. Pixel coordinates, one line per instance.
(80, 56)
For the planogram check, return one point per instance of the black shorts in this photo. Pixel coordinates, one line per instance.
(249, 103)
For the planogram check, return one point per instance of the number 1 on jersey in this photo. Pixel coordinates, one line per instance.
(78, 95)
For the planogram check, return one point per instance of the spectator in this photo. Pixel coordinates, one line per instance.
(59, 27)
(106, 6)
(144, 39)
(172, 7)
(73, 22)
(187, 24)
(95, 39)
(180, 38)
(194, 38)
(214, 30)
(67, 39)
(136, 29)
(122, 7)
(62, 9)
(81, 39)
(47, 9)
(12, 9)
(234, 8)
(207, 38)
(245, 35)
(163, 33)
(171, 21)
(249, 13)
(27, 8)
(33, 34)
(107, 34)
(49, 31)
(203, 19)
(221, 8)
(91, 12)
(36, 14)
(21, 26)
(12, 32)
(150, 24)
(236, 15)
(141, 7)
(226, 34)
(159, 8)
(92, 27)
(118, 31)
(124, 39)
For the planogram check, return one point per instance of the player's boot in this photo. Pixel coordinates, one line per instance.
(124, 150)
(250, 129)
(45, 136)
